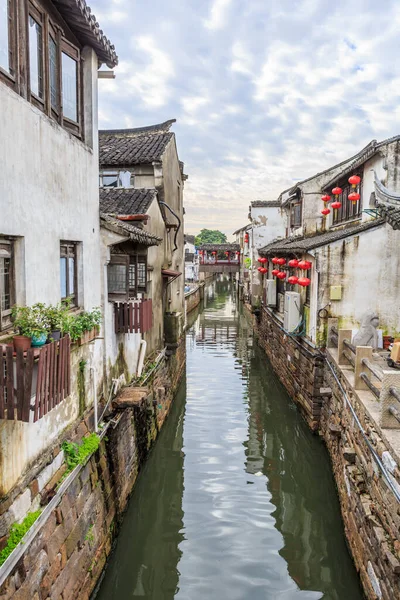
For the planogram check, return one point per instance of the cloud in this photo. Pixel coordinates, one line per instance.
(263, 93)
(218, 13)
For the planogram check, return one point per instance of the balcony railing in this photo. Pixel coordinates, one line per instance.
(133, 317)
(35, 381)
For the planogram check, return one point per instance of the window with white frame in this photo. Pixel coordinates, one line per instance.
(116, 178)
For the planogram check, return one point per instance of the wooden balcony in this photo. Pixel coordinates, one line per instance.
(133, 317)
(35, 381)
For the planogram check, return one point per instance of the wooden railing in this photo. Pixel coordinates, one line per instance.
(133, 317)
(34, 381)
(383, 383)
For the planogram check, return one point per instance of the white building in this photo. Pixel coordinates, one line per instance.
(49, 213)
(353, 250)
(191, 260)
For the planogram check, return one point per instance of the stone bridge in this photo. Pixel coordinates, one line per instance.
(219, 258)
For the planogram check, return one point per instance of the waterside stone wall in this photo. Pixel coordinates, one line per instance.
(68, 553)
(299, 366)
(194, 297)
(370, 511)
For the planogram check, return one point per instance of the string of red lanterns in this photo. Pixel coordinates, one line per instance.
(354, 196)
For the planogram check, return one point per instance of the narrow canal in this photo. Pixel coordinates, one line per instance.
(236, 501)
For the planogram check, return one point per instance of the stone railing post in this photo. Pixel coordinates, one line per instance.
(361, 352)
(343, 334)
(332, 322)
(391, 379)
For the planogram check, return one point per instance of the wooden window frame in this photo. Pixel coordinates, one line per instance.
(348, 211)
(294, 224)
(10, 77)
(7, 247)
(73, 52)
(39, 16)
(136, 259)
(69, 250)
(119, 259)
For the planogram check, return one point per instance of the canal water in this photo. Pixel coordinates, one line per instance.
(237, 500)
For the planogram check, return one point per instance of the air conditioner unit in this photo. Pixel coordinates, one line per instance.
(281, 303)
(271, 292)
(292, 314)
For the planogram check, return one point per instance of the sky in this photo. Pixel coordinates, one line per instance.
(265, 92)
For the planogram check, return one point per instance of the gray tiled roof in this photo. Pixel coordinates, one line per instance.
(132, 147)
(125, 228)
(210, 247)
(390, 213)
(84, 24)
(126, 201)
(189, 238)
(298, 245)
(265, 203)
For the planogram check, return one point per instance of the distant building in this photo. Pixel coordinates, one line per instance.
(191, 260)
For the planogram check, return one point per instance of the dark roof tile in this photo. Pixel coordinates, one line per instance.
(126, 201)
(127, 229)
(116, 150)
(298, 245)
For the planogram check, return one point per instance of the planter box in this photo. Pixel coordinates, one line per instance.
(88, 336)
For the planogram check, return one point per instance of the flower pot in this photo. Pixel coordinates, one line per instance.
(54, 336)
(22, 341)
(39, 340)
(387, 340)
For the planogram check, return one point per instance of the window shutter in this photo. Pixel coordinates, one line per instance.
(118, 277)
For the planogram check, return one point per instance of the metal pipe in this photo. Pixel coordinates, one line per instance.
(375, 456)
(114, 384)
(96, 424)
(176, 217)
(142, 353)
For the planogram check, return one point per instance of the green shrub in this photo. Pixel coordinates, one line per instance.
(17, 532)
(76, 454)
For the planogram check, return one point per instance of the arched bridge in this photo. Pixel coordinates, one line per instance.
(219, 258)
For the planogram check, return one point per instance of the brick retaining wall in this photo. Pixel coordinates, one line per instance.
(69, 552)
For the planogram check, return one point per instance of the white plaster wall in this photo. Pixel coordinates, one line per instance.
(368, 268)
(268, 223)
(49, 192)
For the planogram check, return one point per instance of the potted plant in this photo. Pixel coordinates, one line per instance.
(39, 323)
(56, 317)
(22, 322)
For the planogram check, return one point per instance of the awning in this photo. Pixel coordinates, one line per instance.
(170, 273)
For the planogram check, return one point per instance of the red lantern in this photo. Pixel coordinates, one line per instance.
(336, 204)
(281, 261)
(275, 261)
(226, 253)
(305, 265)
(326, 198)
(213, 253)
(293, 263)
(337, 191)
(354, 197)
(246, 238)
(259, 269)
(275, 272)
(293, 280)
(304, 281)
(263, 260)
(263, 270)
(354, 180)
(237, 252)
(326, 211)
(281, 275)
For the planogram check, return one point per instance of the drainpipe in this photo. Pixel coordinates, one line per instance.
(178, 219)
(142, 354)
(96, 425)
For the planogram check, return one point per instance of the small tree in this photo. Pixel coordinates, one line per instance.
(210, 236)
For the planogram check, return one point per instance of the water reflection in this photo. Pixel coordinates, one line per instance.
(237, 500)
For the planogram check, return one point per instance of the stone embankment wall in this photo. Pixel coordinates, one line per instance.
(68, 552)
(298, 365)
(370, 511)
(194, 297)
